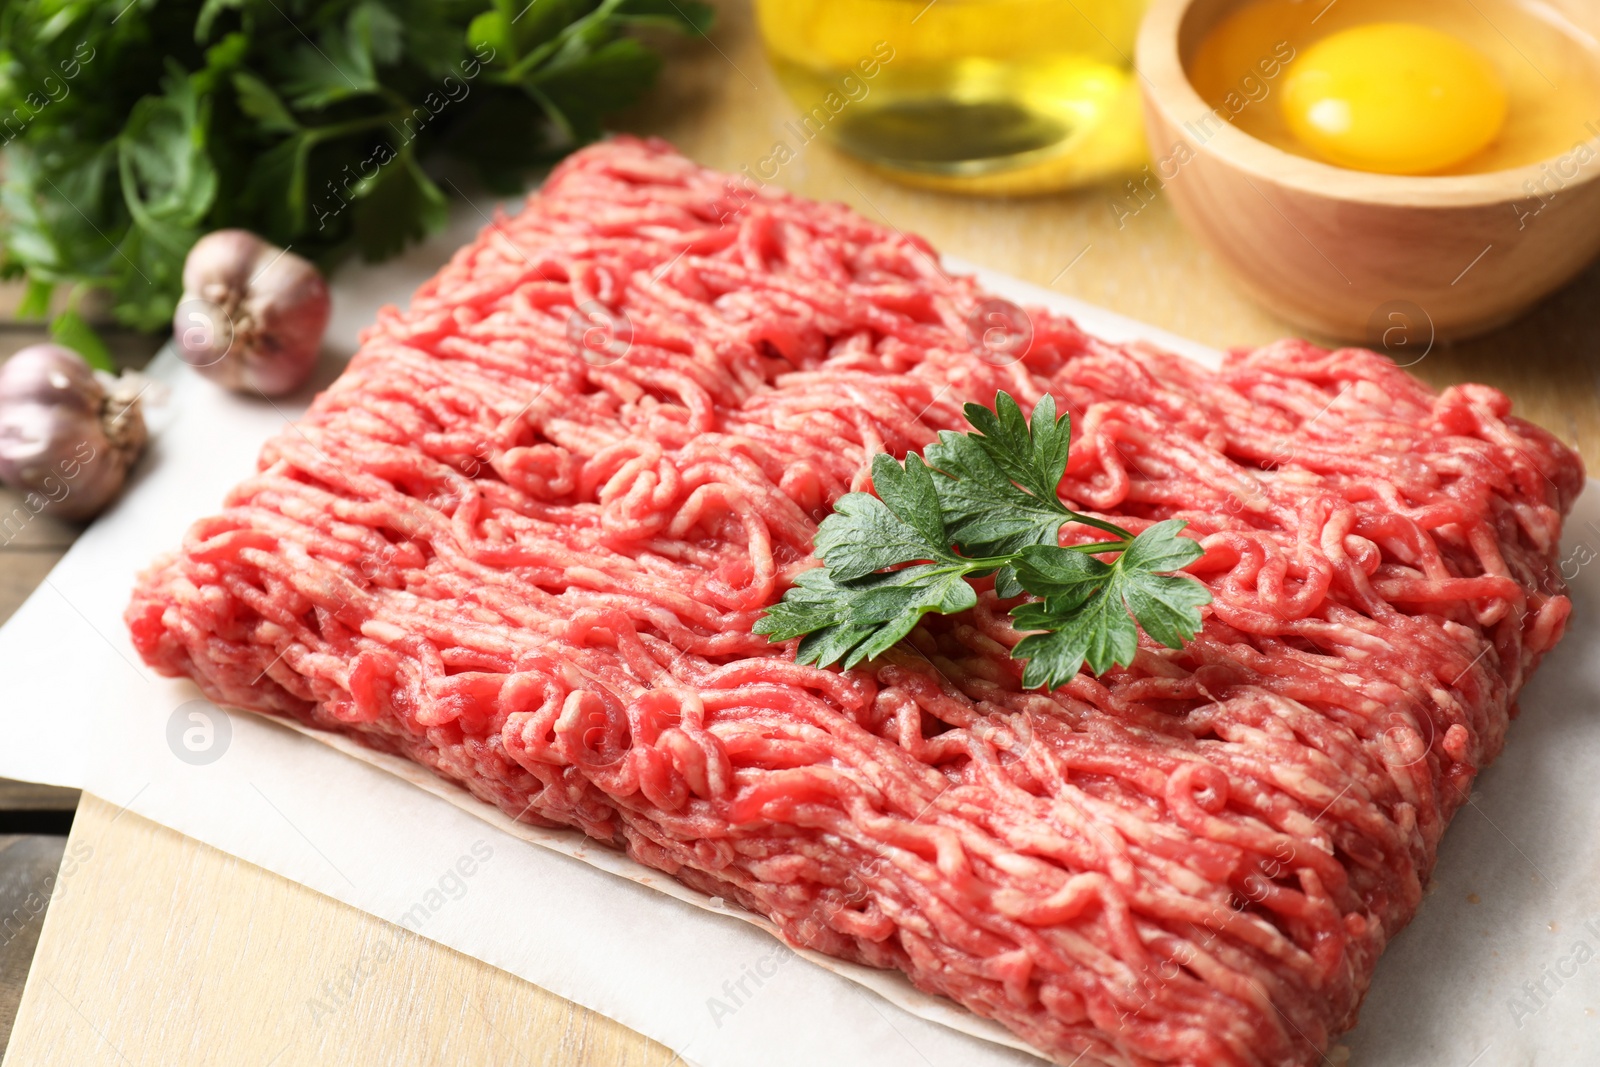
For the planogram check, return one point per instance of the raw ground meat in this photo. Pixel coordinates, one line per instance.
(523, 540)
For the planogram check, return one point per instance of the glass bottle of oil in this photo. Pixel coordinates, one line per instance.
(983, 96)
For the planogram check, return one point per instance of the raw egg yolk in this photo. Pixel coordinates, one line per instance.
(1394, 98)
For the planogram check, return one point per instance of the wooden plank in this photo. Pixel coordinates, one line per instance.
(11, 296)
(207, 959)
(30, 526)
(28, 866)
(95, 307)
(128, 347)
(27, 796)
(21, 571)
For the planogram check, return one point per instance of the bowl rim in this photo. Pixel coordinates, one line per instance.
(1167, 87)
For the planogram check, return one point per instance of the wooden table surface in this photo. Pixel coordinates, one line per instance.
(159, 950)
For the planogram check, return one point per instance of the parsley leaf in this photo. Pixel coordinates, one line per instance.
(863, 535)
(987, 514)
(856, 607)
(909, 493)
(902, 524)
(585, 84)
(1065, 576)
(855, 621)
(134, 128)
(257, 100)
(1089, 607)
(400, 205)
(1034, 456)
(987, 503)
(1099, 633)
(1167, 607)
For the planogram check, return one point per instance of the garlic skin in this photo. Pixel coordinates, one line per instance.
(252, 314)
(67, 435)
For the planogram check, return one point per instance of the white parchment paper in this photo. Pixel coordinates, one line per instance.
(1499, 969)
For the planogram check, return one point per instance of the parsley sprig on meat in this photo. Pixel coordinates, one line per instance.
(980, 504)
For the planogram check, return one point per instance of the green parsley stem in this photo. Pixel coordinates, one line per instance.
(334, 130)
(971, 564)
(1101, 524)
(1094, 548)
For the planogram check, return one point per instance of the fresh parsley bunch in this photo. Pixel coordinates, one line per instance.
(130, 128)
(980, 504)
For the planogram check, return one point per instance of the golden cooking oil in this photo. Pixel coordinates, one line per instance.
(983, 96)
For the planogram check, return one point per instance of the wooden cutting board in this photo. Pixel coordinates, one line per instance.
(161, 950)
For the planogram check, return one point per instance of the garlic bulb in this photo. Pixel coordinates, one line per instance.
(67, 435)
(252, 314)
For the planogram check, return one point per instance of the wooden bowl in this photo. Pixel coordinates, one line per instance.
(1355, 255)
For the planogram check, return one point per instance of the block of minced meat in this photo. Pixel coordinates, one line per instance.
(524, 539)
